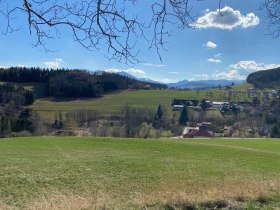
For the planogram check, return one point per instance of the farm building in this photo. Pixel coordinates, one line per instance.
(177, 107)
(202, 130)
(274, 92)
(252, 90)
(219, 105)
(185, 102)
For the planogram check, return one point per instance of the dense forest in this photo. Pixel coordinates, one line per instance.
(265, 78)
(83, 84)
(14, 116)
(73, 83)
(15, 94)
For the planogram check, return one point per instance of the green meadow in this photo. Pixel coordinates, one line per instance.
(106, 173)
(113, 104)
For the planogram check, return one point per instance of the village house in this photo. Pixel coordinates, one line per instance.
(274, 93)
(177, 107)
(238, 107)
(219, 105)
(178, 104)
(252, 90)
(202, 130)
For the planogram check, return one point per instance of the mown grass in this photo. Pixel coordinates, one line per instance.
(89, 173)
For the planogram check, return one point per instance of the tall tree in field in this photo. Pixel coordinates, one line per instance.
(275, 133)
(203, 105)
(184, 116)
(159, 112)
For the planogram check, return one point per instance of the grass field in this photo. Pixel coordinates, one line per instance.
(92, 173)
(113, 103)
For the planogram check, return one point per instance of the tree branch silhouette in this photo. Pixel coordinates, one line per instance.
(97, 24)
(118, 26)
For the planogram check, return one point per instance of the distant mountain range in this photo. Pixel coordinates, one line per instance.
(203, 83)
(198, 84)
(123, 73)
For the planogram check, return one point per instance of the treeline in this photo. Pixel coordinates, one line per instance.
(265, 79)
(28, 75)
(84, 84)
(14, 117)
(134, 122)
(15, 94)
(73, 83)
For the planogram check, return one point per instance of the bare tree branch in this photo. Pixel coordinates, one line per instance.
(272, 8)
(115, 25)
(96, 24)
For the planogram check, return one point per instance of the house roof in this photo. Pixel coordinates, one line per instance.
(178, 106)
(204, 123)
(199, 133)
(219, 103)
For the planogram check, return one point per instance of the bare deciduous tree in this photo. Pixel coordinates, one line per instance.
(116, 25)
(95, 24)
(272, 8)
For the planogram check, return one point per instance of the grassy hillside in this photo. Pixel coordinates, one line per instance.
(113, 103)
(242, 87)
(92, 173)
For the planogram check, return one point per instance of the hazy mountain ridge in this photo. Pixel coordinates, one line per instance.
(197, 84)
(203, 83)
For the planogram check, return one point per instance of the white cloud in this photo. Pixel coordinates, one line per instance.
(232, 74)
(3, 67)
(211, 45)
(173, 72)
(130, 71)
(166, 80)
(113, 70)
(59, 60)
(252, 66)
(199, 77)
(227, 18)
(241, 70)
(135, 71)
(153, 65)
(206, 11)
(53, 64)
(214, 60)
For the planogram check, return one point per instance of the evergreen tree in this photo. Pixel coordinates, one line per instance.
(184, 116)
(275, 133)
(204, 105)
(159, 112)
(256, 101)
(25, 121)
(29, 99)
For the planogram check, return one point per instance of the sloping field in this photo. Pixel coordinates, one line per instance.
(93, 173)
(113, 103)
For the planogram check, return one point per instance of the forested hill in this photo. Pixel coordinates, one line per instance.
(73, 83)
(265, 78)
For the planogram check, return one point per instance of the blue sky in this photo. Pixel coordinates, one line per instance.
(220, 47)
